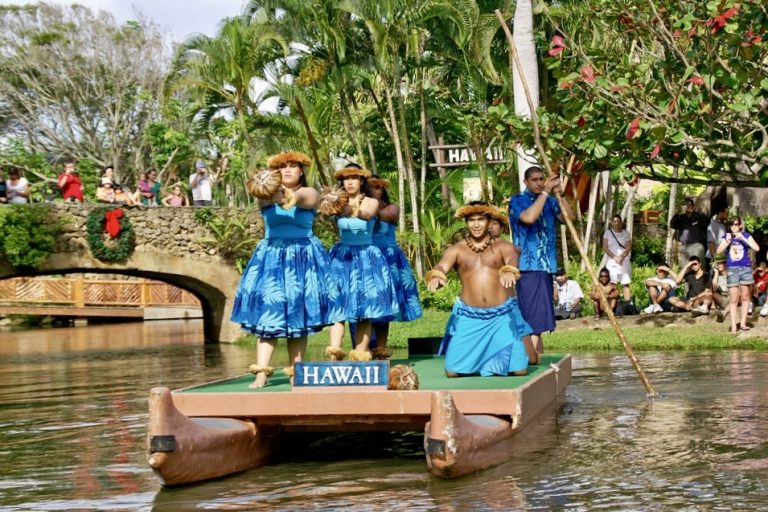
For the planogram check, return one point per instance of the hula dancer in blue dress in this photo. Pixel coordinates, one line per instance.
(287, 290)
(486, 333)
(363, 273)
(405, 283)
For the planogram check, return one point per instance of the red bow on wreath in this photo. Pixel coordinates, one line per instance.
(113, 222)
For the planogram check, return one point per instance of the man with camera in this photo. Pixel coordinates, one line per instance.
(201, 183)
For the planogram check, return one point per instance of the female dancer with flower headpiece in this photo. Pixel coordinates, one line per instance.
(287, 290)
(363, 273)
(405, 283)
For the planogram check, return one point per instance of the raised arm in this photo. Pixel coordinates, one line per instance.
(390, 213)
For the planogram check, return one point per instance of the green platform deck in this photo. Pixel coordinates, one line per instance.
(430, 369)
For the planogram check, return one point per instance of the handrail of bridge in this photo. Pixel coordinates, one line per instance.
(80, 292)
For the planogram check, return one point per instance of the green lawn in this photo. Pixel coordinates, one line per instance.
(706, 336)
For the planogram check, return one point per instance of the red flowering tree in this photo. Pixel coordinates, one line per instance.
(645, 82)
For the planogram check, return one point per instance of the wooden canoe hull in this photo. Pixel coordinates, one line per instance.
(456, 444)
(203, 434)
(184, 450)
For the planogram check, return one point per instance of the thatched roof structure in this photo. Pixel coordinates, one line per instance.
(747, 201)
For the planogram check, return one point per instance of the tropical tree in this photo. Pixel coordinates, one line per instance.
(76, 84)
(646, 88)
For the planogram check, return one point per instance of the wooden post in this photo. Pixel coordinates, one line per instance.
(569, 222)
(78, 292)
(145, 295)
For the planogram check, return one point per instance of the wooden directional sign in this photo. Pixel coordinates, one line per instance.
(340, 374)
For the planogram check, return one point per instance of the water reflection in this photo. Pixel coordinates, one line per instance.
(73, 419)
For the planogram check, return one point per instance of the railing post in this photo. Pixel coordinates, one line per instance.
(145, 295)
(78, 292)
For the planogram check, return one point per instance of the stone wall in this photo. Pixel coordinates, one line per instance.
(159, 230)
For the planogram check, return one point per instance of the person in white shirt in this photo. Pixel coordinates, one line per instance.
(201, 183)
(715, 231)
(567, 295)
(617, 245)
(660, 289)
(16, 187)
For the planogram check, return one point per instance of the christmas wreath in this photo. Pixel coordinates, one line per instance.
(110, 234)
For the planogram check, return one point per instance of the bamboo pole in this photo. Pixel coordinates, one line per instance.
(569, 222)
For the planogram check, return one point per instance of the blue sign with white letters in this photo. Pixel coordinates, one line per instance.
(341, 373)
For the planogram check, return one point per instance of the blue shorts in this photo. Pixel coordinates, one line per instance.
(740, 276)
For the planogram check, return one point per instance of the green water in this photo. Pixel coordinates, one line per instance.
(73, 413)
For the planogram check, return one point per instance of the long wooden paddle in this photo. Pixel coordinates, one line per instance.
(568, 221)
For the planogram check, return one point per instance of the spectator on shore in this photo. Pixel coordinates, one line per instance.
(715, 232)
(698, 283)
(761, 283)
(16, 187)
(143, 191)
(70, 184)
(660, 288)
(568, 296)
(736, 244)
(122, 197)
(201, 183)
(617, 245)
(610, 291)
(720, 296)
(3, 197)
(691, 227)
(105, 193)
(176, 198)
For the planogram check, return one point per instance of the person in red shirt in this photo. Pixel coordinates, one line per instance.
(70, 184)
(761, 283)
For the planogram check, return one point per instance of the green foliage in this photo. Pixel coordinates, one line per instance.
(231, 234)
(647, 251)
(102, 245)
(443, 298)
(27, 234)
(756, 224)
(643, 88)
(325, 230)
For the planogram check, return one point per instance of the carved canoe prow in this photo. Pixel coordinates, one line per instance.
(185, 450)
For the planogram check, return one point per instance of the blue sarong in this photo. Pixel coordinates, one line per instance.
(488, 341)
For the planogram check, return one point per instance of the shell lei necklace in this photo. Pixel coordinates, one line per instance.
(478, 248)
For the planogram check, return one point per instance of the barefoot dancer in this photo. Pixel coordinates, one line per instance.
(399, 268)
(486, 333)
(363, 274)
(287, 290)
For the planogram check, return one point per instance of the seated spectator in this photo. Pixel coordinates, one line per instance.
(105, 193)
(660, 288)
(123, 197)
(698, 295)
(610, 291)
(176, 198)
(720, 287)
(568, 296)
(761, 283)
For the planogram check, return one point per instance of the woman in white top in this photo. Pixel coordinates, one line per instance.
(17, 187)
(617, 245)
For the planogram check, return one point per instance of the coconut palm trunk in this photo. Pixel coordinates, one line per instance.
(526, 50)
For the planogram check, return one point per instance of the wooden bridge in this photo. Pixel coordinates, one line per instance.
(79, 297)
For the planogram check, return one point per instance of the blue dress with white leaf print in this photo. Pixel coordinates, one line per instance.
(363, 273)
(406, 289)
(287, 290)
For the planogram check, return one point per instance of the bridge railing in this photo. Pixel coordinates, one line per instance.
(80, 292)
